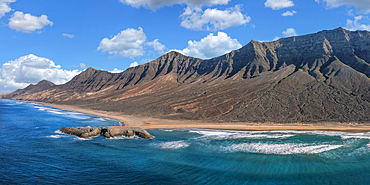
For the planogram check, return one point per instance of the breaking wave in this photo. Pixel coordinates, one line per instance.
(282, 149)
(55, 136)
(173, 145)
(219, 134)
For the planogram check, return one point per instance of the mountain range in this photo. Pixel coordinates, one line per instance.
(320, 77)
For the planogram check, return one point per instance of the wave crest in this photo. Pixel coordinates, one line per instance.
(173, 145)
(282, 149)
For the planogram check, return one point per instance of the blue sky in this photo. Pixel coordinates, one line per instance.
(56, 40)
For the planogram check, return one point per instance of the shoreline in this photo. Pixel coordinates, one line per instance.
(156, 123)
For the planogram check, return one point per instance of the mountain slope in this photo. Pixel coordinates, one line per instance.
(312, 78)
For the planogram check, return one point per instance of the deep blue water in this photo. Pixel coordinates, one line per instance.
(32, 151)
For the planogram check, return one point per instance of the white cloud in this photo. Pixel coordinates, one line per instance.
(29, 69)
(115, 70)
(154, 4)
(213, 19)
(68, 35)
(157, 46)
(211, 46)
(278, 4)
(134, 64)
(290, 32)
(362, 6)
(289, 13)
(4, 7)
(127, 43)
(82, 65)
(355, 25)
(28, 23)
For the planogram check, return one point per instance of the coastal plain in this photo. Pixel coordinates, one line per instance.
(157, 123)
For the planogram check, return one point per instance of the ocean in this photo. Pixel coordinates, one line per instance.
(33, 151)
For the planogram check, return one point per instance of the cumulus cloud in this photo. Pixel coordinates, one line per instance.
(4, 7)
(28, 23)
(289, 13)
(134, 64)
(362, 6)
(115, 70)
(154, 4)
(157, 46)
(355, 25)
(213, 19)
(278, 4)
(68, 35)
(290, 32)
(29, 69)
(211, 46)
(129, 43)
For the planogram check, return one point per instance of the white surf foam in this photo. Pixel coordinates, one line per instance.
(55, 112)
(124, 137)
(59, 132)
(168, 130)
(282, 149)
(40, 108)
(82, 139)
(220, 134)
(100, 119)
(55, 136)
(365, 135)
(343, 135)
(173, 145)
(77, 116)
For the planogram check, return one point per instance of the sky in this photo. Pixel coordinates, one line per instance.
(56, 40)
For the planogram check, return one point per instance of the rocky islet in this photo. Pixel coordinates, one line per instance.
(107, 132)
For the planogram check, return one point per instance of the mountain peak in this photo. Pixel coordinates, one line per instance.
(90, 69)
(42, 85)
(174, 53)
(340, 28)
(45, 82)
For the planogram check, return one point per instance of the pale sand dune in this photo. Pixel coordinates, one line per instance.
(155, 123)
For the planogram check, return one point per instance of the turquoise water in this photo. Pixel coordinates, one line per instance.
(32, 151)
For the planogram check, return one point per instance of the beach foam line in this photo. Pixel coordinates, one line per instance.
(223, 134)
(75, 115)
(226, 134)
(282, 149)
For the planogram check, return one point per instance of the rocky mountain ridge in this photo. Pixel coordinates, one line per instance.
(320, 77)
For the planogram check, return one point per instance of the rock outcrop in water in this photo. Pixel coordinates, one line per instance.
(108, 132)
(84, 132)
(320, 77)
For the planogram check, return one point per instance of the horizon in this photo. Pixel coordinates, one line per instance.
(56, 41)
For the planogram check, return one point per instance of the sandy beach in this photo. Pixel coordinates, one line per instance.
(155, 123)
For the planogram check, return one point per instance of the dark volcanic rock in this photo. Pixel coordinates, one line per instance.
(108, 132)
(84, 132)
(113, 131)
